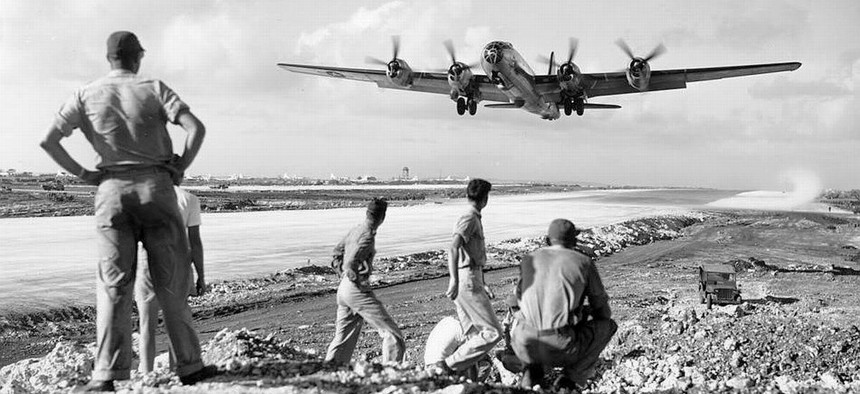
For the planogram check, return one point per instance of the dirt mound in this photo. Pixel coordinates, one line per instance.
(68, 364)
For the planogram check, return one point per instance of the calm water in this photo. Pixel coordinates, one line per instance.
(48, 262)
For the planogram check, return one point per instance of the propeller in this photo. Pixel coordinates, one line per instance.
(395, 45)
(456, 67)
(548, 60)
(572, 43)
(449, 45)
(659, 50)
(571, 53)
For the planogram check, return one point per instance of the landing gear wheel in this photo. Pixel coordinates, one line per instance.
(472, 105)
(579, 105)
(461, 106)
(568, 107)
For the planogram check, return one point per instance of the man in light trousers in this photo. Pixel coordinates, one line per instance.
(356, 303)
(466, 286)
(144, 290)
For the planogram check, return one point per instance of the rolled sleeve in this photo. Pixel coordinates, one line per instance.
(69, 117)
(465, 227)
(170, 101)
(338, 250)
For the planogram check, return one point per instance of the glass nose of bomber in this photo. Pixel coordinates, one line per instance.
(493, 52)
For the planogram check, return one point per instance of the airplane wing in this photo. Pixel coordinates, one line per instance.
(427, 82)
(608, 84)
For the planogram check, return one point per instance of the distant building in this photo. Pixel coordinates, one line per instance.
(63, 174)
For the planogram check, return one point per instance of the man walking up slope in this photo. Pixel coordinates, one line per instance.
(356, 302)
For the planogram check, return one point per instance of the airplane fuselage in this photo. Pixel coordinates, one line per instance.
(513, 76)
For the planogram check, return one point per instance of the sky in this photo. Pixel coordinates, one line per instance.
(765, 132)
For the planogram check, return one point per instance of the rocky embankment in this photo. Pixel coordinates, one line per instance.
(764, 347)
(67, 363)
(773, 345)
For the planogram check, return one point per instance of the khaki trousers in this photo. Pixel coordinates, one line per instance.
(574, 348)
(140, 206)
(477, 318)
(355, 305)
(147, 310)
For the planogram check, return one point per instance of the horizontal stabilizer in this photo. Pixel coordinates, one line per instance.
(515, 105)
(601, 106)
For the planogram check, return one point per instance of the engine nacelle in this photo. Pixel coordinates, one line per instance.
(639, 74)
(399, 73)
(459, 77)
(569, 77)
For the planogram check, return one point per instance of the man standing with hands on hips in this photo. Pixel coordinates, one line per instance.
(466, 286)
(124, 117)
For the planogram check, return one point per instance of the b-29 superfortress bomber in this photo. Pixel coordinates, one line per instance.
(509, 82)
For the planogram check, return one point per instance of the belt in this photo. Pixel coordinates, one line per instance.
(539, 331)
(119, 171)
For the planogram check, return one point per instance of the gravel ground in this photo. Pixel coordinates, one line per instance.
(797, 331)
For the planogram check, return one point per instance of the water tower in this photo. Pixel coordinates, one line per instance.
(405, 174)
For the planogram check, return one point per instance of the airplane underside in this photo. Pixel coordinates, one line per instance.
(518, 85)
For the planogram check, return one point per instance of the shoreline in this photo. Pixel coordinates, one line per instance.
(32, 202)
(225, 298)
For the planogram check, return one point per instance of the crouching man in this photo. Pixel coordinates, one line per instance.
(552, 327)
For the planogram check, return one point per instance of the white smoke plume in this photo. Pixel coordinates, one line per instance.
(802, 189)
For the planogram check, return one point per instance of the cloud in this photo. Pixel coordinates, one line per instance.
(755, 26)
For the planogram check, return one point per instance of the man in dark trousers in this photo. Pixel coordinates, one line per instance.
(552, 327)
(356, 302)
(124, 118)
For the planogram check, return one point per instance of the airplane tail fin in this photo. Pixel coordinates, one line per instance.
(601, 106)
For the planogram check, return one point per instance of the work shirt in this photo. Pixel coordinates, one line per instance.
(124, 117)
(358, 249)
(189, 207)
(473, 251)
(554, 281)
